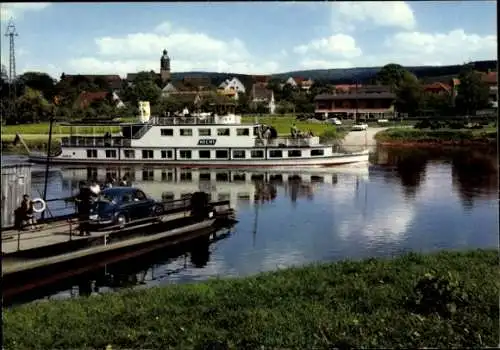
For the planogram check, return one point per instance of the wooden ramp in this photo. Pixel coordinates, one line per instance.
(61, 232)
(10, 266)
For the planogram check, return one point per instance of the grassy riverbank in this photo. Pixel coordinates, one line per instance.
(405, 136)
(281, 123)
(447, 299)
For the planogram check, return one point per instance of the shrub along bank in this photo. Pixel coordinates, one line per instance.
(448, 299)
(404, 136)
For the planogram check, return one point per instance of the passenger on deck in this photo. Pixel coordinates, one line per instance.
(267, 134)
(124, 181)
(294, 131)
(25, 214)
(109, 181)
(95, 188)
(84, 204)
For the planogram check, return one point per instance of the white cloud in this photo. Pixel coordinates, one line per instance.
(189, 51)
(324, 64)
(346, 16)
(338, 45)
(15, 10)
(455, 46)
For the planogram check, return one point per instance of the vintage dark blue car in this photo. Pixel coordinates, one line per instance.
(122, 206)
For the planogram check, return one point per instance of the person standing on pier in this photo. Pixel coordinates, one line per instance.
(84, 204)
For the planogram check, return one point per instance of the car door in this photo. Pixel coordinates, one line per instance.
(141, 205)
(127, 205)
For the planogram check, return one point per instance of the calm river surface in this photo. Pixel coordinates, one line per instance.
(406, 200)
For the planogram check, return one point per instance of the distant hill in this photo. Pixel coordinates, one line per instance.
(347, 75)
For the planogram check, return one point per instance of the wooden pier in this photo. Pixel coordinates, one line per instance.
(57, 242)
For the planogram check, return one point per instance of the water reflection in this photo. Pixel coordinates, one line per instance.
(130, 272)
(406, 200)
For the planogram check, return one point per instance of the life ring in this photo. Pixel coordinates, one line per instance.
(42, 208)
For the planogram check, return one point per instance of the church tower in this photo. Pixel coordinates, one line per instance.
(165, 67)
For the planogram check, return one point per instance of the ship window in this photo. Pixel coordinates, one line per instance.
(257, 154)
(91, 153)
(224, 177)
(275, 154)
(167, 176)
(223, 197)
(317, 178)
(186, 132)
(239, 154)
(129, 153)
(110, 153)
(243, 132)
(167, 132)
(167, 196)
(317, 152)
(257, 177)
(186, 176)
(166, 154)
(205, 176)
(204, 154)
(185, 154)
(294, 153)
(223, 132)
(239, 177)
(147, 154)
(221, 154)
(204, 132)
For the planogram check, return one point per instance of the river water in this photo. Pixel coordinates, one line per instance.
(405, 200)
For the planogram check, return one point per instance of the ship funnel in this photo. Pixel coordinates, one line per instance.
(144, 111)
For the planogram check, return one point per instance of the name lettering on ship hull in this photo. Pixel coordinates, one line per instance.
(206, 142)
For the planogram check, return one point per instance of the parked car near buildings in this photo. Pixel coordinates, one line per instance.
(359, 127)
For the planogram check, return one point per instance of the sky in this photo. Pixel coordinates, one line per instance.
(246, 37)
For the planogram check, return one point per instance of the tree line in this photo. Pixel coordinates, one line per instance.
(39, 96)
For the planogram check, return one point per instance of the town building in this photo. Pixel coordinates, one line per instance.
(365, 102)
(262, 95)
(165, 73)
(299, 83)
(86, 98)
(491, 79)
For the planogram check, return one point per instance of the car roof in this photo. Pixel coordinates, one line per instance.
(117, 191)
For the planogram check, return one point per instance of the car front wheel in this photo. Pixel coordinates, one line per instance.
(121, 220)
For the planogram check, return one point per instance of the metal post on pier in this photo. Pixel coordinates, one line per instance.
(51, 123)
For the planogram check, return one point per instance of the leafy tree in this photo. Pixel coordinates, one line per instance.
(167, 104)
(287, 93)
(391, 74)
(285, 107)
(409, 94)
(41, 82)
(472, 92)
(243, 103)
(439, 103)
(32, 107)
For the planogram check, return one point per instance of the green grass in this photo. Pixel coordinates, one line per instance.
(486, 135)
(43, 129)
(372, 303)
(281, 123)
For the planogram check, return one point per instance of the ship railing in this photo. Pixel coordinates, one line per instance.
(94, 141)
(182, 120)
(288, 142)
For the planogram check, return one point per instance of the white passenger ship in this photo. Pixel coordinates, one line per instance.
(191, 141)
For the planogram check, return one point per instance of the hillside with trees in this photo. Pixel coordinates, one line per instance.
(40, 96)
